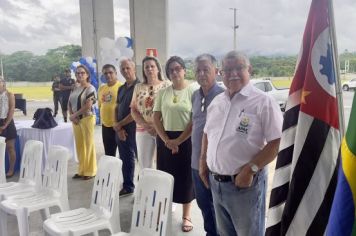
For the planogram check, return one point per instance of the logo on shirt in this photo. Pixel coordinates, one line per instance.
(107, 97)
(244, 125)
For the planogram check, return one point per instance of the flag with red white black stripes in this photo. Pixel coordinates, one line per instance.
(305, 175)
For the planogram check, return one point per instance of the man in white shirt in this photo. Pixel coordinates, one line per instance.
(241, 137)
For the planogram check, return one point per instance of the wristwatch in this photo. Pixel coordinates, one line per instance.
(253, 167)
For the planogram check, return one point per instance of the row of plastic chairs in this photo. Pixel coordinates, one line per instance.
(151, 213)
(152, 207)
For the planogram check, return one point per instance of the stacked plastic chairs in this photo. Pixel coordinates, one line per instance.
(103, 212)
(52, 193)
(152, 212)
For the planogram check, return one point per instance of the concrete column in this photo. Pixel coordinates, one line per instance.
(149, 29)
(97, 21)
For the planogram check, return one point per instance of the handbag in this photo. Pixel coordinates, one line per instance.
(44, 119)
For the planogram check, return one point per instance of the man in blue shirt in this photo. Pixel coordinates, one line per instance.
(125, 126)
(205, 73)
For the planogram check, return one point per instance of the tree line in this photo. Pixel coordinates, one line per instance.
(25, 66)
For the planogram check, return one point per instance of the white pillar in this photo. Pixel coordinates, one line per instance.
(149, 29)
(97, 21)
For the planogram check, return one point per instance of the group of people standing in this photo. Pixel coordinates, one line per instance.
(215, 142)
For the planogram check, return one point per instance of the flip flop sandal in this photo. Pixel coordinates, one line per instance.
(187, 227)
(10, 175)
(77, 176)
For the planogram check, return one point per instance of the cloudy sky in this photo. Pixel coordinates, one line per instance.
(273, 27)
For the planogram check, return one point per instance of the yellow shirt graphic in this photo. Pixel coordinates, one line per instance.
(107, 96)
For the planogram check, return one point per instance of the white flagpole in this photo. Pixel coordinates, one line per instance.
(337, 70)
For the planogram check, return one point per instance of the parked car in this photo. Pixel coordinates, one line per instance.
(280, 95)
(351, 84)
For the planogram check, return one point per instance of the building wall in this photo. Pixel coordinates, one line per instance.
(97, 21)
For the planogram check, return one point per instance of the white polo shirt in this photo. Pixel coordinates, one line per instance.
(238, 129)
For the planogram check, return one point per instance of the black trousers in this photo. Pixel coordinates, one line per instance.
(56, 102)
(109, 140)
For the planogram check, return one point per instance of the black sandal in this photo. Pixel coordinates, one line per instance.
(77, 176)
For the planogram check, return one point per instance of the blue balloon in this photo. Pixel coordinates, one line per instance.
(129, 42)
(82, 61)
(97, 112)
(103, 79)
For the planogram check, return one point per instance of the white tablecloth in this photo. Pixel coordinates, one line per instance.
(59, 135)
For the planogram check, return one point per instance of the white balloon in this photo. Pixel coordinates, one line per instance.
(121, 42)
(109, 60)
(106, 43)
(76, 63)
(105, 53)
(116, 53)
(127, 52)
(89, 60)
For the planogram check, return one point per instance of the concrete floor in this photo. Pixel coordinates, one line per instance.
(79, 194)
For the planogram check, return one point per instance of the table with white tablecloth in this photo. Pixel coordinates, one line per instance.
(60, 135)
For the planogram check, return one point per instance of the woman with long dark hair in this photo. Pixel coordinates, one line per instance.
(142, 109)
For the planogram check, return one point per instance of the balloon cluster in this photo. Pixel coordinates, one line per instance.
(90, 63)
(113, 51)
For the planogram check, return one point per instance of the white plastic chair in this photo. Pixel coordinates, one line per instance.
(53, 193)
(30, 178)
(152, 211)
(101, 214)
(2, 160)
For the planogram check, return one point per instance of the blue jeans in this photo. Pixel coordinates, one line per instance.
(240, 211)
(128, 152)
(205, 202)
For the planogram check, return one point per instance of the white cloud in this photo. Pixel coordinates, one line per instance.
(265, 27)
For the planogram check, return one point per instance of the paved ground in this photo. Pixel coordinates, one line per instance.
(80, 191)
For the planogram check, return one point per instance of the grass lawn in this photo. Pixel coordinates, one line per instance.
(33, 93)
(281, 83)
(45, 92)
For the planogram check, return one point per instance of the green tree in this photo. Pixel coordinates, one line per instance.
(25, 66)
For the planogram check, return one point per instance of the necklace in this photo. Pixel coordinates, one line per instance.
(175, 96)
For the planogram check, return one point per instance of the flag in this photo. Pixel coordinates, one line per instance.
(306, 169)
(342, 216)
